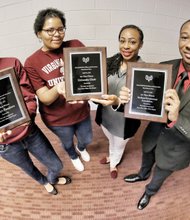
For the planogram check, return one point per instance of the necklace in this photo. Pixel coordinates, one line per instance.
(121, 73)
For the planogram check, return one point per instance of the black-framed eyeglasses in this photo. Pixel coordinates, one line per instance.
(52, 31)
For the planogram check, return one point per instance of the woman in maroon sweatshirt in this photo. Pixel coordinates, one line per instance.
(16, 144)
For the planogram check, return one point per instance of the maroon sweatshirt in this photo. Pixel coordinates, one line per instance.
(22, 131)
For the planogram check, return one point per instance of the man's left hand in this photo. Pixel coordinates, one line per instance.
(172, 104)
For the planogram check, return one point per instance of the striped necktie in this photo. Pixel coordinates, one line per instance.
(180, 86)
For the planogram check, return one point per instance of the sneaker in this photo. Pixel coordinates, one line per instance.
(84, 154)
(78, 164)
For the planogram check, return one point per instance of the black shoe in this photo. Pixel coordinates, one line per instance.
(132, 178)
(67, 180)
(143, 202)
(54, 191)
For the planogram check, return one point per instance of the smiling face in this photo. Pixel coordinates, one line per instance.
(55, 41)
(129, 44)
(184, 45)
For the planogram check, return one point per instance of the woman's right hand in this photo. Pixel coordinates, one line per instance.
(61, 88)
(125, 95)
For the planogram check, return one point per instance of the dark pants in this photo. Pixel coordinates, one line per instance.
(159, 175)
(83, 132)
(38, 145)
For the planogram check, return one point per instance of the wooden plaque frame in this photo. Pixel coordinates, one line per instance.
(13, 111)
(85, 72)
(148, 83)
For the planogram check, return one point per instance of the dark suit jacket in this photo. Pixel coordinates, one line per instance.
(172, 144)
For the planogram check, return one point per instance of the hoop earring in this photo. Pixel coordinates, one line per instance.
(40, 40)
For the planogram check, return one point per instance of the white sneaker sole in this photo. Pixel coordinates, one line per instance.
(80, 167)
(87, 158)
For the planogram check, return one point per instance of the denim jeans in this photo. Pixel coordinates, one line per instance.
(83, 132)
(39, 146)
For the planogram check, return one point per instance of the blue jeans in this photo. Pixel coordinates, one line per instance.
(83, 132)
(39, 146)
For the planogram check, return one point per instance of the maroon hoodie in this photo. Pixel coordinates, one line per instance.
(22, 131)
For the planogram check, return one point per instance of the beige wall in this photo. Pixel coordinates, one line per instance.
(96, 23)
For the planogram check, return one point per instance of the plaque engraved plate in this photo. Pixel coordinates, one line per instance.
(85, 72)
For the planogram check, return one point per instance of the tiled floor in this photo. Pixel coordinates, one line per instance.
(93, 195)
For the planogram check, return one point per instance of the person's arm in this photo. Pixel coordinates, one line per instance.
(107, 100)
(125, 95)
(26, 89)
(48, 96)
(117, 103)
(45, 94)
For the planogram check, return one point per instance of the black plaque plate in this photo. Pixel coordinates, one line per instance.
(85, 72)
(13, 111)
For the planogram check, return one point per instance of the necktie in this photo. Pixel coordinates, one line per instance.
(180, 86)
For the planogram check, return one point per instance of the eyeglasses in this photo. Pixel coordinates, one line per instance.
(52, 31)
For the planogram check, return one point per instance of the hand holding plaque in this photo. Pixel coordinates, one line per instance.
(148, 83)
(107, 100)
(13, 111)
(85, 72)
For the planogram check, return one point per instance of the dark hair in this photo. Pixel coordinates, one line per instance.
(132, 27)
(184, 24)
(47, 13)
(113, 64)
